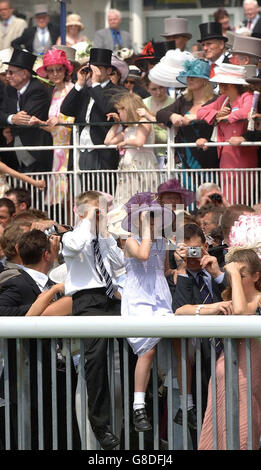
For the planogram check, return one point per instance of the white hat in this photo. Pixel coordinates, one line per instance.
(164, 73)
(114, 220)
(228, 73)
(5, 56)
(58, 274)
(82, 51)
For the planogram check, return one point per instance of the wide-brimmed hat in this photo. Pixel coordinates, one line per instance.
(174, 186)
(100, 57)
(154, 51)
(74, 20)
(82, 49)
(176, 27)
(165, 72)
(54, 57)
(230, 39)
(247, 45)
(5, 56)
(121, 66)
(134, 72)
(114, 220)
(142, 202)
(41, 9)
(229, 73)
(22, 59)
(246, 233)
(194, 68)
(211, 30)
(69, 51)
(251, 74)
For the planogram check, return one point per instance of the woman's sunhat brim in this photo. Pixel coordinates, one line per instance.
(131, 222)
(183, 79)
(228, 80)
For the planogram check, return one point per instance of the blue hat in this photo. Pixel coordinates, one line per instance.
(194, 68)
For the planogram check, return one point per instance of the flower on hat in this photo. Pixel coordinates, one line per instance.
(54, 57)
(83, 51)
(246, 232)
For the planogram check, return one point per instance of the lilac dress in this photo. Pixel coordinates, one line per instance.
(146, 292)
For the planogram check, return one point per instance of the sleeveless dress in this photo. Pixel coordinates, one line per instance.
(146, 292)
(136, 159)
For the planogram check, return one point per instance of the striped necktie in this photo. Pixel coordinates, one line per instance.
(207, 298)
(104, 273)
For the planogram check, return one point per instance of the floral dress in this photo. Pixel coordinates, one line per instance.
(58, 186)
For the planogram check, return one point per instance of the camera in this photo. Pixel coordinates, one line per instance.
(216, 198)
(194, 252)
(53, 230)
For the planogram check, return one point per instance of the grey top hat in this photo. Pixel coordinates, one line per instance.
(251, 74)
(247, 45)
(176, 27)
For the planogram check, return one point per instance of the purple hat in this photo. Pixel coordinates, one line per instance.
(141, 202)
(174, 186)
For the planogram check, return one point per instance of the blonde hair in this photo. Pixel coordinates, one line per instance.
(208, 92)
(131, 102)
(83, 198)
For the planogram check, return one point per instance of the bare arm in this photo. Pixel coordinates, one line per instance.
(21, 176)
(140, 139)
(44, 304)
(241, 306)
(218, 308)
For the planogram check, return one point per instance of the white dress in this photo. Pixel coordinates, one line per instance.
(146, 292)
(134, 160)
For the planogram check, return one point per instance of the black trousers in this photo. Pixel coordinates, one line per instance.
(94, 302)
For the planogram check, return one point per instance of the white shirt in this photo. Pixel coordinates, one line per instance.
(79, 257)
(40, 278)
(85, 138)
(43, 33)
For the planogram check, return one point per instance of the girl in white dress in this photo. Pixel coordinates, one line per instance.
(135, 159)
(145, 292)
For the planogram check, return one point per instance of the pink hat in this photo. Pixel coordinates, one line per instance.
(54, 57)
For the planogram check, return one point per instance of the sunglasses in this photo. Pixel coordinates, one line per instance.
(132, 82)
(114, 72)
(55, 70)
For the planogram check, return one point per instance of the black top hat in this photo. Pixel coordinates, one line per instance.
(100, 57)
(211, 31)
(160, 48)
(22, 59)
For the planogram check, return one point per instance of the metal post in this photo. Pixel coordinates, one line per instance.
(63, 22)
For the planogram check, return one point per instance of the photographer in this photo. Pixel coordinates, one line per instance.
(198, 280)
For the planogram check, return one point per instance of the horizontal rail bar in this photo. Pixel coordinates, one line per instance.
(189, 326)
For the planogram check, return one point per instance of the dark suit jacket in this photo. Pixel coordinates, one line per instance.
(35, 101)
(16, 296)
(187, 291)
(27, 38)
(76, 104)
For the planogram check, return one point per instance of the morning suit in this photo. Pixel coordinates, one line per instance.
(103, 39)
(26, 40)
(13, 30)
(18, 291)
(35, 101)
(187, 291)
(76, 104)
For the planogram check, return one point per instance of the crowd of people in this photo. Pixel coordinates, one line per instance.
(138, 248)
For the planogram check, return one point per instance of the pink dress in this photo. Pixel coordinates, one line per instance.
(206, 437)
(61, 136)
(232, 156)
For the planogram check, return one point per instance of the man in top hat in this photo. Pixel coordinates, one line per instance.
(246, 50)
(25, 97)
(113, 37)
(91, 104)
(11, 27)
(213, 44)
(177, 29)
(40, 38)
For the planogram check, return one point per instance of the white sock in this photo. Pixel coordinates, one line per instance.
(139, 400)
(189, 401)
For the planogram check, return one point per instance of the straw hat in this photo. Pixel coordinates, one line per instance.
(228, 73)
(165, 72)
(74, 20)
(176, 27)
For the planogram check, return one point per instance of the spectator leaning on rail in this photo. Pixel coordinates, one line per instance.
(24, 98)
(11, 27)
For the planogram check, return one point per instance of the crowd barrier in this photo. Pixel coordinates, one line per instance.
(245, 188)
(164, 399)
